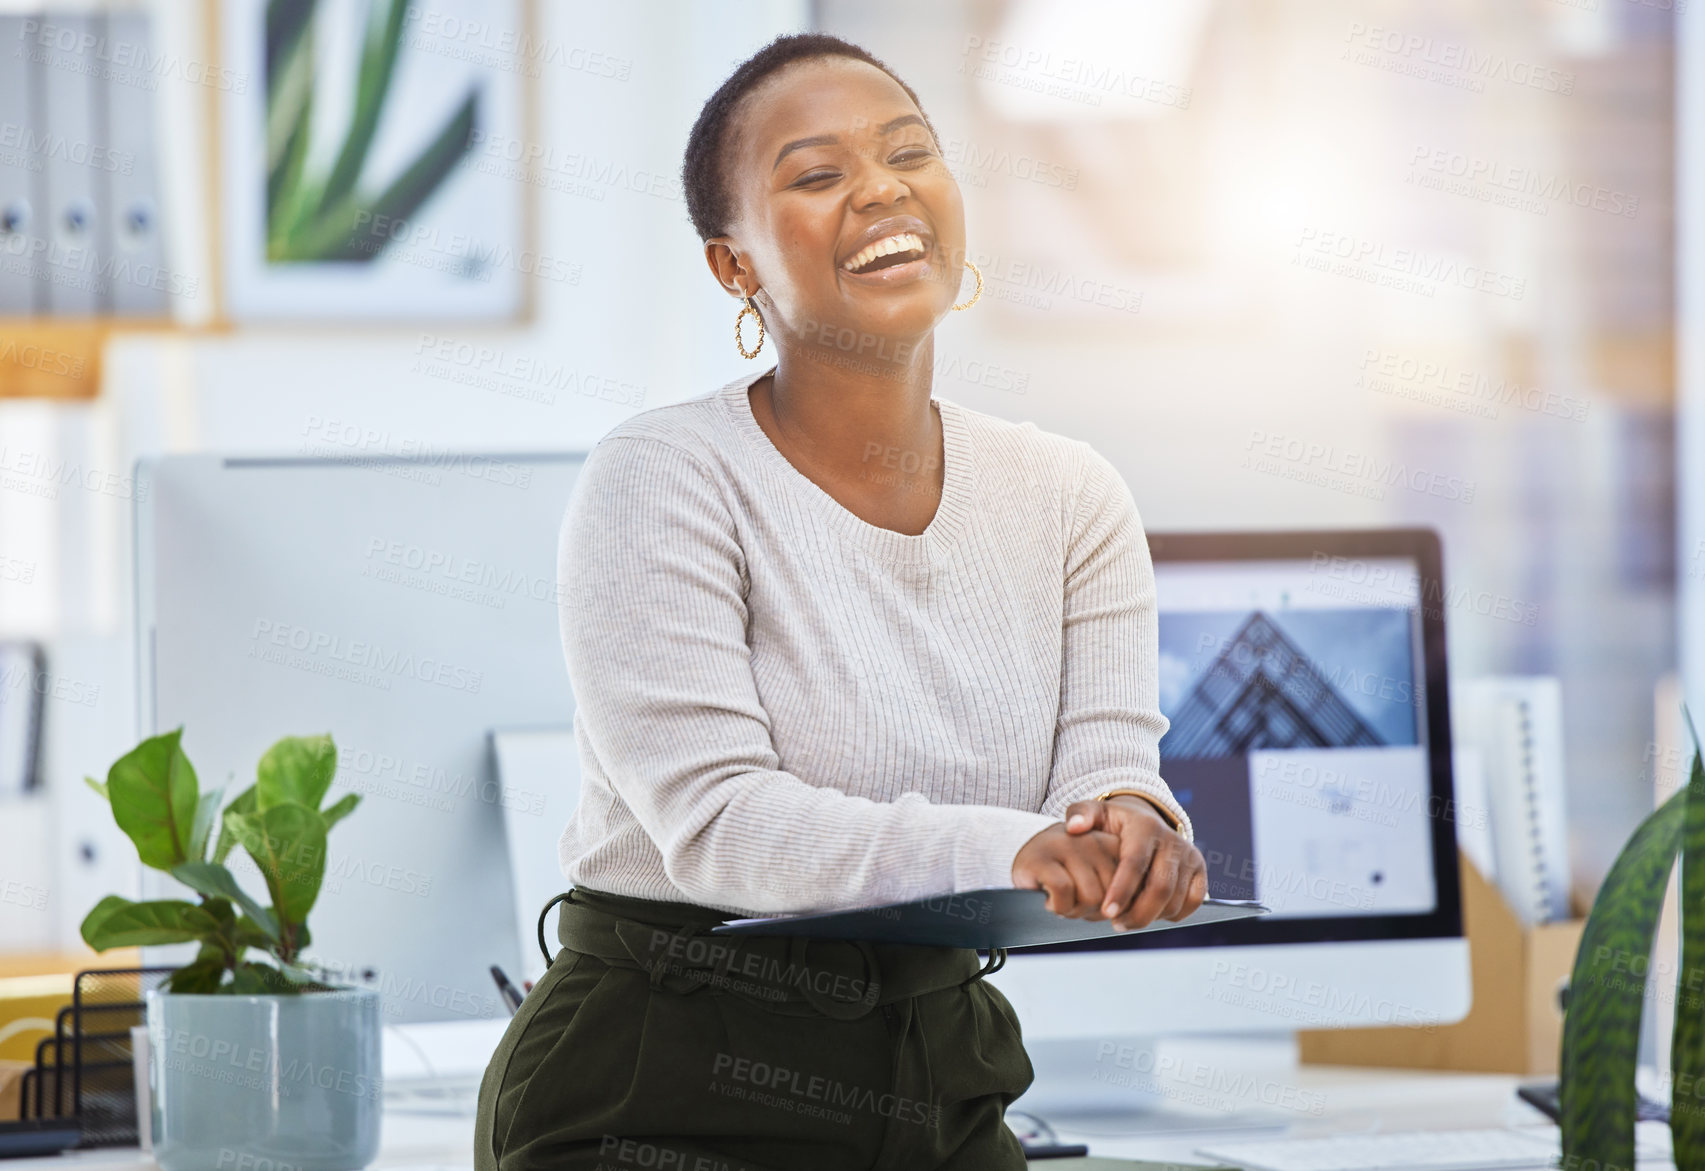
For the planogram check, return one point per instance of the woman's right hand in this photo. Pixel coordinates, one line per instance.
(1074, 869)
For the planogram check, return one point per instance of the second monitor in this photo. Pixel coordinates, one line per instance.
(1303, 675)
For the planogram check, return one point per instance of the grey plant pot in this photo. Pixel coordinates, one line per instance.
(265, 1083)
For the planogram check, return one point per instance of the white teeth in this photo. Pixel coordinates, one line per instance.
(887, 246)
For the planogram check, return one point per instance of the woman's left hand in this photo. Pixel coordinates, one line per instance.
(1160, 874)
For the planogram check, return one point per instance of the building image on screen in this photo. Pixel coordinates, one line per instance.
(1296, 736)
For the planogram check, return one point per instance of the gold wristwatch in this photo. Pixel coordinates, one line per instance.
(1166, 814)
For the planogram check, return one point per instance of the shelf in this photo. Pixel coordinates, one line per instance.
(44, 357)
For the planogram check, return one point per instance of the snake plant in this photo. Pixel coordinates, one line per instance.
(319, 217)
(1607, 991)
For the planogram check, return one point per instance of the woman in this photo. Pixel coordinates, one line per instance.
(833, 643)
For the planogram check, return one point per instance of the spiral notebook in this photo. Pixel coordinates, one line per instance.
(1515, 727)
(994, 917)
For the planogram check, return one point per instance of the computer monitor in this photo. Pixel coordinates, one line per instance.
(1303, 675)
(409, 606)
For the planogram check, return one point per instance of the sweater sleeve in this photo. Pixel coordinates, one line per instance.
(1110, 722)
(654, 631)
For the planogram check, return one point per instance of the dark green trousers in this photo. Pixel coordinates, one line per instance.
(653, 1044)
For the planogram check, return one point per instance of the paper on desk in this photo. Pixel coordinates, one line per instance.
(992, 917)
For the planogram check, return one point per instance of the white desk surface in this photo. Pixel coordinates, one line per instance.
(1339, 1100)
(1349, 1100)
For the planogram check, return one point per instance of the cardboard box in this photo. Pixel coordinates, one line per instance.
(1514, 1025)
(11, 1085)
(28, 1007)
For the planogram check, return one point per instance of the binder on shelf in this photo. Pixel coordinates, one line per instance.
(21, 191)
(132, 227)
(80, 222)
(981, 919)
(22, 665)
(68, 80)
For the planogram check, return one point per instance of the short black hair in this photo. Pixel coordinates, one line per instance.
(709, 205)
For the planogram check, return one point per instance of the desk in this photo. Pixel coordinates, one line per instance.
(1349, 1100)
(412, 1142)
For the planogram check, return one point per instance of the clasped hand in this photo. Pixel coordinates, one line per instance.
(1116, 859)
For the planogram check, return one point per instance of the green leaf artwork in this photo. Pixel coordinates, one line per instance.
(329, 214)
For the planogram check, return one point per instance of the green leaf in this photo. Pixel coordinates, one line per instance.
(98, 913)
(297, 768)
(415, 186)
(286, 20)
(340, 809)
(284, 179)
(249, 934)
(306, 978)
(100, 788)
(244, 805)
(1687, 1044)
(337, 234)
(215, 881)
(1601, 1029)
(206, 815)
(154, 798)
(223, 913)
(118, 922)
(254, 979)
(373, 85)
(288, 843)
(200, 977)
(289, 133)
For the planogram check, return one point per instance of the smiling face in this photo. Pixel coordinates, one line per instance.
(846, 217)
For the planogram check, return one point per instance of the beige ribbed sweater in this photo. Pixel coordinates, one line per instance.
(783, 708)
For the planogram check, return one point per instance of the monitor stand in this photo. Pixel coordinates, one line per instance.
(1158, 1085)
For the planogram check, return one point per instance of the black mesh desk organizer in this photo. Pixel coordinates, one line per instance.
(84, 1071)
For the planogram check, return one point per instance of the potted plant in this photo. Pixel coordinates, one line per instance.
(1609, 986)
(251, 1055)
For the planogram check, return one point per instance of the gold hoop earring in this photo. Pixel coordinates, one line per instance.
(978, 273)
(740, 342)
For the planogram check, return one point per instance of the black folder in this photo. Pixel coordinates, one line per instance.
(983, 919)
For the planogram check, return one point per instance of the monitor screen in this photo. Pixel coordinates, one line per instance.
(1303, 677)
(1296, 695)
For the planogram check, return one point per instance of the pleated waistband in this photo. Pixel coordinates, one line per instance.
(795, 976)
